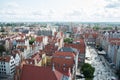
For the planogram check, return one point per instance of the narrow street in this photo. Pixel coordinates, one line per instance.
(102, 70)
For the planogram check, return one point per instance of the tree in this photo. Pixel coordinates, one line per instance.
(87, 70)
(96, 28)
(107, 28)
(68, 40)
(31, 41)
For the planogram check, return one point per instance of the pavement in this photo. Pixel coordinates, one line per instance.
(102, 69)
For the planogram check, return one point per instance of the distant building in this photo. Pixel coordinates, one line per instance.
(44, 32)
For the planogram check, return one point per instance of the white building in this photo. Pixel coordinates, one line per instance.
(7, 65)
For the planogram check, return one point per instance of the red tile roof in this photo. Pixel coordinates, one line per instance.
(94, 35)
(5, 58)
(30, 72)
(15, 51)
(114, 41)
(63, 59)
(19, 47)
(39, 38)
(21, 40)
(80, 46)
(50, 49)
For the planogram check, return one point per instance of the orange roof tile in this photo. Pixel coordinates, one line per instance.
(30, 72)
(114, 41)
(21, 40)
(50, 49)
(94, 35)
(25, 47)
(16, 51)
(80, 46)
(39, 38)
(63, 59)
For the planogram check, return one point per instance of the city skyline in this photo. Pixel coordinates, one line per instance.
(60, 10)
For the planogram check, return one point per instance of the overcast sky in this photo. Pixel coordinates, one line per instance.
(60, 10)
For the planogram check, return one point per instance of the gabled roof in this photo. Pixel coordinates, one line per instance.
(30, 72)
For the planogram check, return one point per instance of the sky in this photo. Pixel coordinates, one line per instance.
(60, 10)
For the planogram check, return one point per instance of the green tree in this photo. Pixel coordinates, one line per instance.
(87, 70)
(96, 28)
(68, 40)
(31, 41)
(107, 28)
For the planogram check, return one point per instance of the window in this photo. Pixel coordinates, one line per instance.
(12, 72)
(12, 62)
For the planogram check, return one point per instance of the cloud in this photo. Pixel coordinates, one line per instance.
(75, 13)
(12, 5)
(76, 10)
(113, 4)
